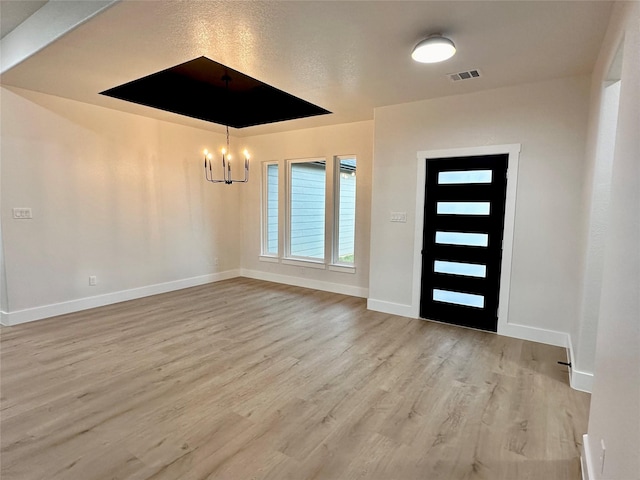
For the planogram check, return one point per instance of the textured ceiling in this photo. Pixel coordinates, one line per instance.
(14, 12)
(348, 57)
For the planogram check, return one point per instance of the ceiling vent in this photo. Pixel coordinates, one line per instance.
(456, 77)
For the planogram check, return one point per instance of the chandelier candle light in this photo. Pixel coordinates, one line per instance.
(226, 157)
(226, 166)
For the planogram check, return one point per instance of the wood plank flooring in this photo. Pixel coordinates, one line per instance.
(245, 379)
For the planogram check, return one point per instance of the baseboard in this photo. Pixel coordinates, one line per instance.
(585, 460)
(390, 307)
(523, 332)
(534, 334)
(306, 283)
(578, 379)
(53, 310)
(582, 381)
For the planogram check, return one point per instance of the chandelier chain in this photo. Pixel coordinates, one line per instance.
(226, 157)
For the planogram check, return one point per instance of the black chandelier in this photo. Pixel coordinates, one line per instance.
(226, 158)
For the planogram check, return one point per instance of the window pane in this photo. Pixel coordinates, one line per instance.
(458, 298)
(272, 210)
(464, 208)
(466, 176)
(460, 238)
(346, 220)
(307, 209)
(457, 268)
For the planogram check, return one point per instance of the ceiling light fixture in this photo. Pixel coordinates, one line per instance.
(226, 158)
(435, 48)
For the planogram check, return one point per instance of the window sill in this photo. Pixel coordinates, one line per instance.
(342, 268)
(269, 259)
(304, 263)
(298, 262)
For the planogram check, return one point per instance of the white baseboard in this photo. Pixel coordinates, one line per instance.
(390, 307)
(578, 379)
(523, 332)
(306, 283)
(53, 310)
(534, 334)
(582, 381)
(585, 460)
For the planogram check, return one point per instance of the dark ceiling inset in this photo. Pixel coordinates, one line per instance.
(197, 89)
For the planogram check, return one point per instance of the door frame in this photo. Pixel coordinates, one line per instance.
(513, 152)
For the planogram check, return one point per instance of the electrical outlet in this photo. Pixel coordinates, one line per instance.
(93, 280)
(22, 213)
(602, 456)
(216, 263)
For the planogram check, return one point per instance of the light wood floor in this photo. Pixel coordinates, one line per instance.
(252, 380)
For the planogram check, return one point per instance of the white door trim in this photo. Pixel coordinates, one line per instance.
(513, 150)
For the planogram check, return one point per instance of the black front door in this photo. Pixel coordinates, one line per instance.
(462, 243)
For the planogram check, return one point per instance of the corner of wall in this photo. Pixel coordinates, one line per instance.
(578, 379)
(391, 308)
(314, 284)
(72, 306)
(585, 460)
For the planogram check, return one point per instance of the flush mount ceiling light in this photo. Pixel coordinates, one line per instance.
(433, 49)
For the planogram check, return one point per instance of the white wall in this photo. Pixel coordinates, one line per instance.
(114, 195)
(596, 195)
(549, 119)
(615, 402)
(327, 142)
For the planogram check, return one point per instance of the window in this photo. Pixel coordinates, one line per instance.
(318, 226)
(345, 211)
(306, 208)
(270, 209)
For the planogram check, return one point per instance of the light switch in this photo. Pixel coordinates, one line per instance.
(22, 213)
(400, 217)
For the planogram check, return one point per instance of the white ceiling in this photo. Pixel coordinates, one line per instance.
(14, 12)
(348, 57)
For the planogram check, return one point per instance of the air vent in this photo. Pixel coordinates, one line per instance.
(456, 77)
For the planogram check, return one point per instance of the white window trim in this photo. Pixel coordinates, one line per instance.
(331, 248)
(263, 211)
(342, 267)
(269, 258)
(304, 262)
(289, 259)
(335, 240)
(513, 150)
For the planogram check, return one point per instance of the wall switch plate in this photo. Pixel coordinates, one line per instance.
(93, 280)
(400, 217)
(22, 213)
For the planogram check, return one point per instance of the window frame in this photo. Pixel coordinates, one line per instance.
(336, 264)
(265, 254)
(331, 237)
(288, 258)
